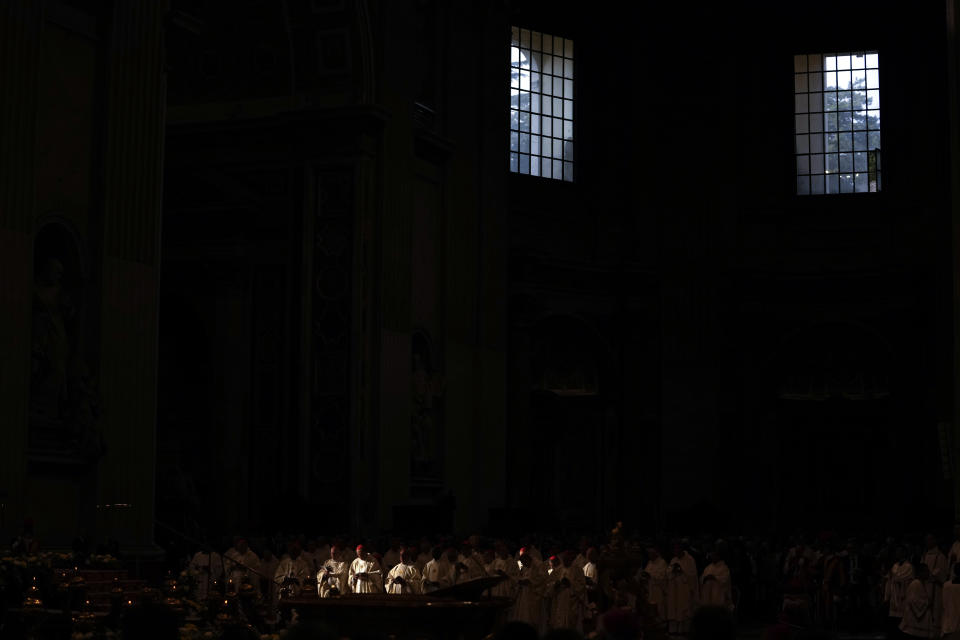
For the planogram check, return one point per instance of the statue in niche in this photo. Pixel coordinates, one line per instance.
(427, 387)
(51, 345)
(64, 404)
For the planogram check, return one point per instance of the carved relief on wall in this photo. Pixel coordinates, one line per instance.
(64, 401)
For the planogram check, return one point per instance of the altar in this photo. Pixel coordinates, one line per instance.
(459, 613)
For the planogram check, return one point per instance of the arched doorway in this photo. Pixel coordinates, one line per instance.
(853, 447)
(568, 411)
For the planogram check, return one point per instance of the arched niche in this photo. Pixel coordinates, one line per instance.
(64, 404)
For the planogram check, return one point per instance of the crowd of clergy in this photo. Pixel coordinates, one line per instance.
(913, 584)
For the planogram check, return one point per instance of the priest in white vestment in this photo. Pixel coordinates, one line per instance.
(206, 568)
(293, 570)
(682, 591)
(953, 557)
(591, 572)
(531, 582)
(567, 588)
(504, 565)
(715, 586)
(655, 575)
(333, 575)
(950, 616)
(404, 577)
(393, 555)
(917, 609)
(268, 567)
(437, 573)
(361, 577)
(242, 564)
(898, 579)
(425, 555)
(469, 564)
(936, 562)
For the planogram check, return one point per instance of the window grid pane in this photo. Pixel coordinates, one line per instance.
(541, 105)
(837, 122)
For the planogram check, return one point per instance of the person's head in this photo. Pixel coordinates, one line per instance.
(437, 553)
(712, 623)
(652, 552)
(452, 554)
(583, 544)
(395, 544)
(525, 558)
(361, 552)
(900, 553)
(409, 555)
(241, 545)
(334, 552)
(677, 549)
(923, 572)
(554, 562)
(294, 549)
(567, 557)
(593, 555)
(931, 541)
(488, 556)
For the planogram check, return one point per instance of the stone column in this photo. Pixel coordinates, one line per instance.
(136, 104)
(20, 28)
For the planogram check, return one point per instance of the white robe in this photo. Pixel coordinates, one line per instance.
(567, 602)
(297, 569)
(358, 585)
(507, 588)
(719, 591)
(205, 569)
(895, 590)
(474, 564)
(335, 578)
(437, 574)
(954, 556)
(682, 592)
(237, 573)
(528, 605)
(411, 577)
(950, 617)
(917, 615)
(657, 585)
(590, 572)
(939, 573)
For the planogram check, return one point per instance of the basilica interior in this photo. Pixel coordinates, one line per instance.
(314, 265)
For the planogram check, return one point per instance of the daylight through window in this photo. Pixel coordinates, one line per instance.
(837, 122)
(541, 105)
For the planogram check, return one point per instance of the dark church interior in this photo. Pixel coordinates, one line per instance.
(427, 319)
